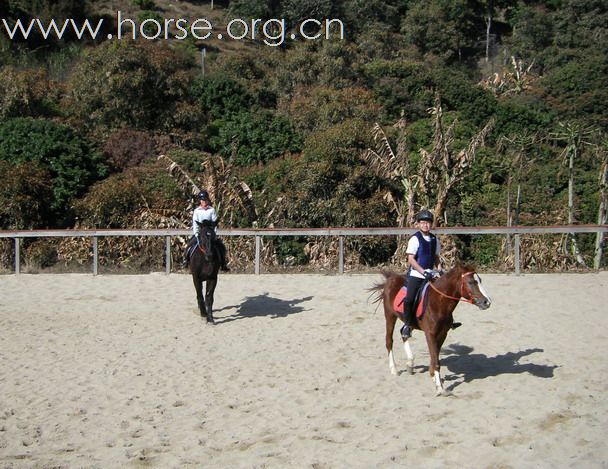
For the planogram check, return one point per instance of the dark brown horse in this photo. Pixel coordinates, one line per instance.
(459, 284)
(204, 266)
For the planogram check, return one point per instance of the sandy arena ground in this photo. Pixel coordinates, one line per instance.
(120, 371)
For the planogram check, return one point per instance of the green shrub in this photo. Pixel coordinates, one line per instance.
(56, 148)
(145, 4)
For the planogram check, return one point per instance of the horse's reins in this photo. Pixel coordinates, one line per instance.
(462, 297)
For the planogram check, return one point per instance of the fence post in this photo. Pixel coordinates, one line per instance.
(167, 254)
(95, 255)
(341, 255)
(17, 256)
(516, 255)
(257, 255)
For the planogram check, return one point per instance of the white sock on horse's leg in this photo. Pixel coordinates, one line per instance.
(437, 381)
(391, 363)
(408, 353)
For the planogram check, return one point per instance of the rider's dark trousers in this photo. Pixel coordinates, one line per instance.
(413, 285)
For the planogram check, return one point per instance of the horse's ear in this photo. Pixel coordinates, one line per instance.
(198, 223)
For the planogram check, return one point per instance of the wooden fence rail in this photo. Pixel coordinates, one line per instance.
(340, 233)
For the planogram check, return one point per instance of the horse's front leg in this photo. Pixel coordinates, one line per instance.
(209, 291)
(198, 286)
(434, 365)
(409, 356)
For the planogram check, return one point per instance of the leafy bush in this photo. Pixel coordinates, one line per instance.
(577, 88)
(127, 84)
(41, 253)
(322, 107)
(400, 87)
(145, 4)
(259, 137)
(25, 190)
(221, 96)
(520, 114)
(290, 251)
(117, 201)
(25, 93)
(126, 148)
(71, 163)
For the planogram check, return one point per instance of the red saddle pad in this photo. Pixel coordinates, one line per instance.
(399, 301)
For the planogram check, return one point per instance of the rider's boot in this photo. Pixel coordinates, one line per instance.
(406, 330)
(224, 263)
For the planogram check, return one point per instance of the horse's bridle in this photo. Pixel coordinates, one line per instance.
(201, 246)
(462, 297)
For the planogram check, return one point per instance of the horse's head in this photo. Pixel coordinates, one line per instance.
(472, 289)
(205, 235)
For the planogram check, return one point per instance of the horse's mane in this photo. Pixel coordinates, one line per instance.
(458, 269)
(463, 268)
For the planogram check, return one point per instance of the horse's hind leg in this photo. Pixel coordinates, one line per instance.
(390, 326)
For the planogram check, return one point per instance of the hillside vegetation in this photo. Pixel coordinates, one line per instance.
(489, 112)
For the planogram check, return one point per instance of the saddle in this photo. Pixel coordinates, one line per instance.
(420, 301)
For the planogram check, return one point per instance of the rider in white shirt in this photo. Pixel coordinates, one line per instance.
(422, 251)
(205, 212)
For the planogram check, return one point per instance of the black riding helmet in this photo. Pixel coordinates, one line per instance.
(203, 195)
(425, 215)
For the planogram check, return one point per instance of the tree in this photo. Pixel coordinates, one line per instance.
(126, 84)
(575, 136)
(232, 197)
(444, 28)
(517, 148)
(429, 183)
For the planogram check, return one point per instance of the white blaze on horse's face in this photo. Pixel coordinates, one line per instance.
(485, 301)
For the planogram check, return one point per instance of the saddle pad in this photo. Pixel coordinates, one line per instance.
(399, 301)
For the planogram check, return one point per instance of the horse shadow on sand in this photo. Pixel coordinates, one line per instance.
(263, 305)
(465, 366)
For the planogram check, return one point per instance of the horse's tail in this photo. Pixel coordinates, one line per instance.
(376, 292)
(377, 289)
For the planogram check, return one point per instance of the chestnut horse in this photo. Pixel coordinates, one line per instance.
(459, 284)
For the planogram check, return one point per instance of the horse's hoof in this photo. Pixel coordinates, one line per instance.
(410, 369)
